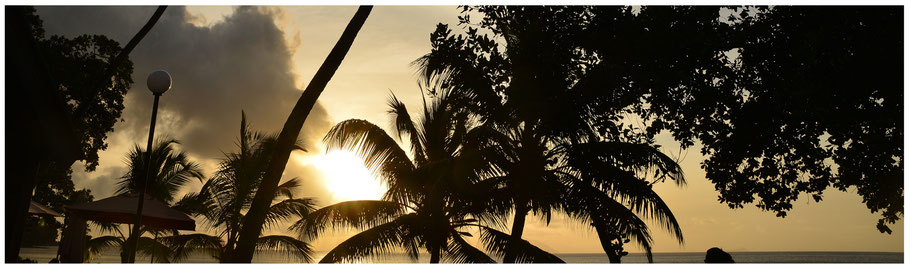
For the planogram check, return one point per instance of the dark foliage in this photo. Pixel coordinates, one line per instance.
(542, 93)
(432, 201)
(76, 65)
(40, 231)
(792, 100)
(225, 196)
(784, 101)
(55, 190)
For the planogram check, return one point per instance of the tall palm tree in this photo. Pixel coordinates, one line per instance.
(171, 171)
(256, 216)
(432, 200)
(537, 107)
(226, 196)
(524, 105)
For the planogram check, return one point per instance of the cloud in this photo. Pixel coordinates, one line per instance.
(242, 62)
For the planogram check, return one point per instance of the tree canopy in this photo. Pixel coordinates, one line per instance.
(76, 65)
(797, 99)
(541, 95)
(784, 101)
(54, 191)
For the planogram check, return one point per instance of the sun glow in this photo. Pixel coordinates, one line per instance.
(347, 178)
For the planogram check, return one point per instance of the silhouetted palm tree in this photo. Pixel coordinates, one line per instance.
(432, 200)
(224, 198)
(543, 172)
(171, 171)
(537, 108)
(256, 216)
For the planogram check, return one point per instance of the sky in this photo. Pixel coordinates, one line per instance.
(258, 60)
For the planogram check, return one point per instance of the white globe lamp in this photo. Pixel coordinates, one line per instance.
(159, 82)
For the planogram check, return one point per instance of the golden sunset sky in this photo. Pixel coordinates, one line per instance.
(224, 59)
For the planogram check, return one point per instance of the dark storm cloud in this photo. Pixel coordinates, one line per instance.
(241, 63)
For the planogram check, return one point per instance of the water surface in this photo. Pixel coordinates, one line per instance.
(45, 254)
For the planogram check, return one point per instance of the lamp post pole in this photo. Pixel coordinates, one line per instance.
(158, 82)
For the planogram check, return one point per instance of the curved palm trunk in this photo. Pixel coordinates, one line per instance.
(112, 66)
(434, 255)
(126, 245)
(228, 247)
(438, 242)
(527, 153)
(126, 248)
(518, 227)
(152, 258)
(255, 217)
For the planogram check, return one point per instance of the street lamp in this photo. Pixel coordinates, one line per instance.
(158, 82)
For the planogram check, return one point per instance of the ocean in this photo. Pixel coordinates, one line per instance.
(45, 254)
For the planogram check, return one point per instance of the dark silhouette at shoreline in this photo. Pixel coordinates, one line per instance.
(717, 255)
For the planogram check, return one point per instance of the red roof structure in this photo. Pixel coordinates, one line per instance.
(122, 209)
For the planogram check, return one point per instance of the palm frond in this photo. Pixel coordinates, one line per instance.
(379, 152)
(593, 206)
(108, 227)
(641, 198)
(487, 200)
(98, 245)
(218, 193)
(286, 244)
(600, 170)
(459, 251)
(194, 204)
(183, 245)
(231, 189)
(631, 156)
(288, 208)
(403, 125)
(373, 242)
(355, 214)
(496, 242)
(286, 189)
(170, 170)
(155, 249)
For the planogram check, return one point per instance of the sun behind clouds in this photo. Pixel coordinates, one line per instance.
(347, 178)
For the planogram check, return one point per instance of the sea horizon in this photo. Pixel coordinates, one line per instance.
(43, 254)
